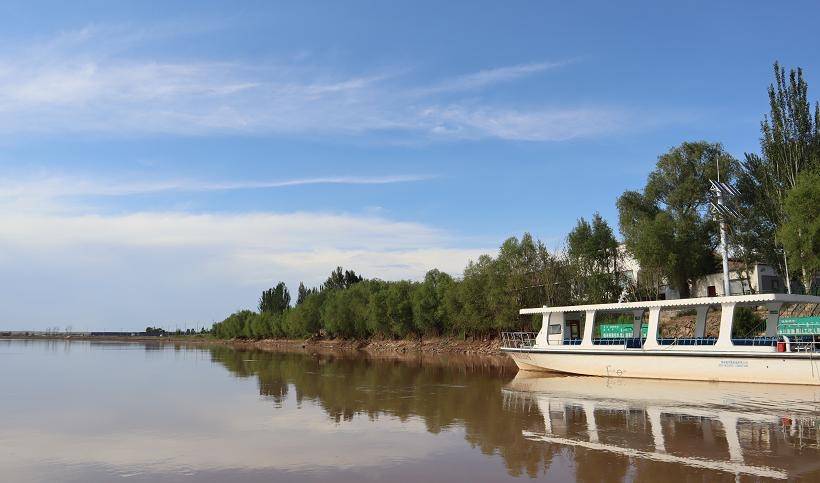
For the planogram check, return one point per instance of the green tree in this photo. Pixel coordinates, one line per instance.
(400, 308)
(594, 258)
(235, 325)
(344, 313)
(305, 319)
(790, 145)
(378, 320)
(275, 300)
(340, 279)
(668, 227)
(266, 325)
(477, 295)
(801, 232)
(430, 315)
(302, 293)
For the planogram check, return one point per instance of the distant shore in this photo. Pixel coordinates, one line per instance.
(434, 345)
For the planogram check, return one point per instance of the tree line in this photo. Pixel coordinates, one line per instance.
(667, 227)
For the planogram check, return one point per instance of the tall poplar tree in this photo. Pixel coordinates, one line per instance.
(594, 259)
(789, 145)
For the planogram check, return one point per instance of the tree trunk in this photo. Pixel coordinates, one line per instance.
(805, 273)
(683, 288)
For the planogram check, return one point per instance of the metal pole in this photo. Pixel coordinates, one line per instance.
(727, 290)
(787, 278)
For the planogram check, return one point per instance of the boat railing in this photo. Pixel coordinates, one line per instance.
(687, 340)
(517, 340)
(625, 342)
(756, 341)
(802, 343)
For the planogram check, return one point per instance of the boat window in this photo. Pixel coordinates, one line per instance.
(676, 323)
(749, 327)
(689, 326)
(575, 325)
(712, 322)
(749, 322)
(615, 327)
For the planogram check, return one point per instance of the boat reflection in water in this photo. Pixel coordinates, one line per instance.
(768, 431)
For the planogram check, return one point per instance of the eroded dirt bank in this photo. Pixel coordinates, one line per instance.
(428, 349)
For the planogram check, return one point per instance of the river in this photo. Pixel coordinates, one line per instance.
(98, 412)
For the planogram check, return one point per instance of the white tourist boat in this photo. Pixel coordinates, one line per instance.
(571, 340)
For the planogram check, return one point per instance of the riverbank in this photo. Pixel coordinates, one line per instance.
(437, 350)
(436, 345)
(433, 345)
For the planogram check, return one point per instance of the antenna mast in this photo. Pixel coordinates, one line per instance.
(722, 212)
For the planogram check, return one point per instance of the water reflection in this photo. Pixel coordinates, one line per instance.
(445, 393)
(615, 429)
(767, 431)
(97, 412)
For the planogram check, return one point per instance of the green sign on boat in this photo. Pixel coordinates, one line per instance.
(618, 330)
(799, 325)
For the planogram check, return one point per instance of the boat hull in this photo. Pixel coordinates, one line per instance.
(763, 368)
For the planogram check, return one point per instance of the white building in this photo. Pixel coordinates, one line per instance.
(761, 278)
(631, 269)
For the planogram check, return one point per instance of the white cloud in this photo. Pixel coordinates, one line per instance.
(40, 192)
(489, 77)
(128, 270)
(546, 125)
(73, 84)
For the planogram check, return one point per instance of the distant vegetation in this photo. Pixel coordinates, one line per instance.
(667, 227)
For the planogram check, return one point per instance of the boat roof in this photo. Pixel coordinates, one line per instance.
(693, 302)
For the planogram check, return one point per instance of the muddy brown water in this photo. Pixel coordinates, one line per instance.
(92, 411)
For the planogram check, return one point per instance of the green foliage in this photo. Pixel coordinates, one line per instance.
(594, 260)
(344, 313)
(305, 319)
(747, 323)
(801, 232)
(400, 308)
(486, 299)
(275, 300)
(377, 317)
(668, 228)
(339, 279)
(789, 145)
(237, 325)
(430, 315)
(303, 292)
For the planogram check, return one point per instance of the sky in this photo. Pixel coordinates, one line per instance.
(161, 163)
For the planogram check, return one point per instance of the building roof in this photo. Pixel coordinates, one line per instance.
(693, 302)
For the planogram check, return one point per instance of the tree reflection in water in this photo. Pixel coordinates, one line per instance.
(600, 433)
(444, 393)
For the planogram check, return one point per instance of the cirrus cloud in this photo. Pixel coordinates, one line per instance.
(74, 84)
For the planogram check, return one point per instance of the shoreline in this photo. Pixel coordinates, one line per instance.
(435, 345)
(466, 354)
(403, 347)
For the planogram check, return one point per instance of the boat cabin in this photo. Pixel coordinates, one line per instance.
(788, 322)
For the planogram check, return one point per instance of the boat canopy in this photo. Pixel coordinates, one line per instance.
(768, 298)
(560, 326)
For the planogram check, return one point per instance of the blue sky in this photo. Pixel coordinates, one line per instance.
(161, 164)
